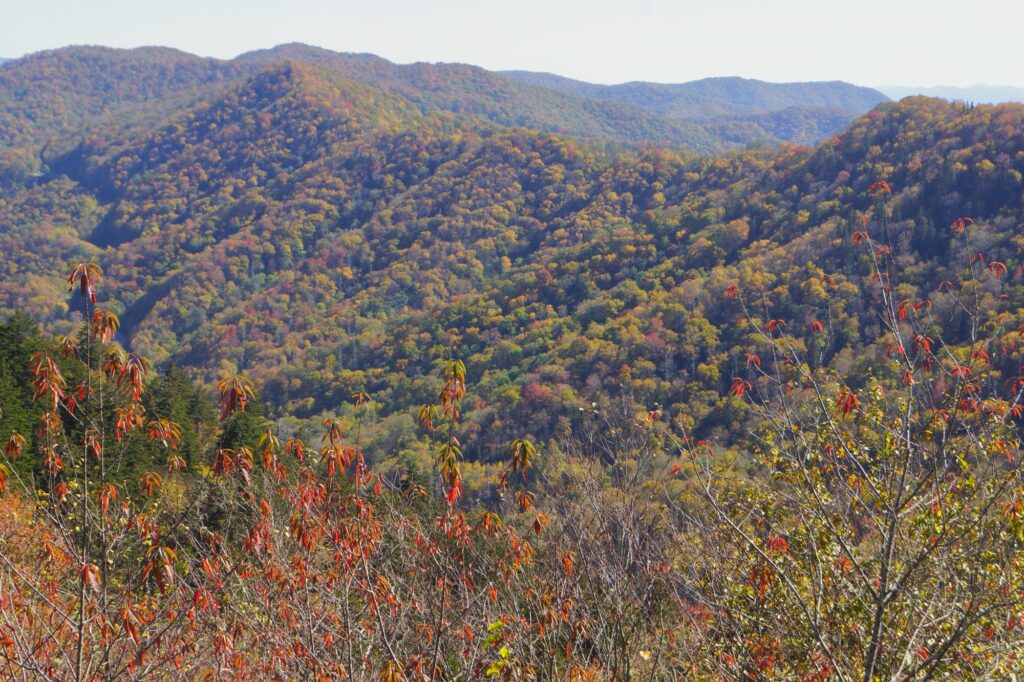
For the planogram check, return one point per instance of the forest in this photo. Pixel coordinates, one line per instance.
(311, 372)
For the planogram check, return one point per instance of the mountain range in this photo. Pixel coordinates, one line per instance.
(712, 98)
(49, 94)
(330, 223)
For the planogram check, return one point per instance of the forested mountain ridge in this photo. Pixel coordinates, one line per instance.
(475, 92)
(793, 112)
(329, 237)
(47, 96)
(712, 97)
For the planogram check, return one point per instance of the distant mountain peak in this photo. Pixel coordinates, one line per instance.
(303, 52)
(980, 93)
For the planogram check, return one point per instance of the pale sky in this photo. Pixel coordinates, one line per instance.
(868, 42)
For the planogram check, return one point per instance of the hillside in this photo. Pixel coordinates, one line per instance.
(48, 100)
(51, 93)
(328, 237)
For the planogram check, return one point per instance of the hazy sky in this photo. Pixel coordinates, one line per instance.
(870, 42)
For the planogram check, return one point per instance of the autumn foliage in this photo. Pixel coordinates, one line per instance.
(861, 525)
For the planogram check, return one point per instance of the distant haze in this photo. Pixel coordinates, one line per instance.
(926, 42)
(980, 94)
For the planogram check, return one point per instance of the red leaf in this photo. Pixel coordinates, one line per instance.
(739, 386)
(880, 187)
(960, 224)
(91, 574)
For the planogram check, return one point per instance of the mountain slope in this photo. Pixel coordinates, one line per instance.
(51, 93)
(343, 240)
(171, 193)
(48, 100)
